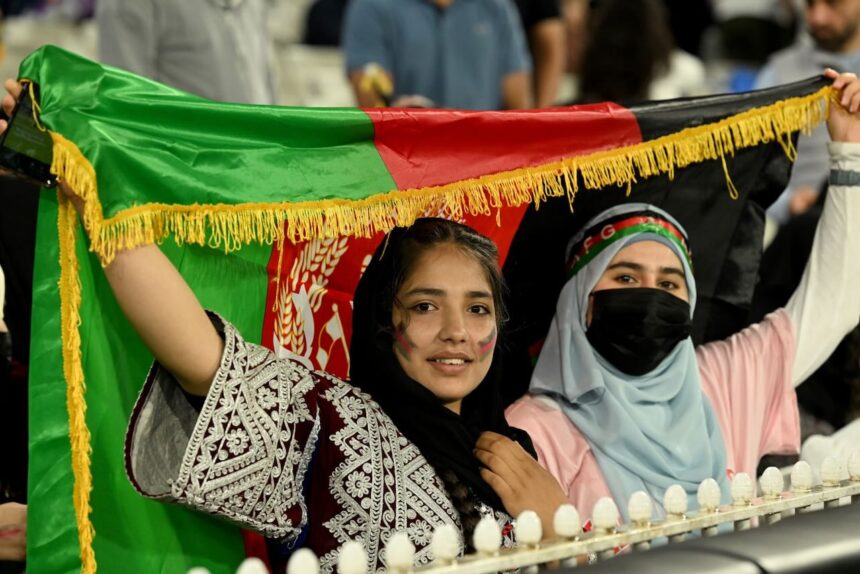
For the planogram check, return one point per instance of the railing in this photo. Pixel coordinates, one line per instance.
(572, 546)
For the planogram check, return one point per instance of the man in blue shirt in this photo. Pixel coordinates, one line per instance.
(833, 42)
(465, 54)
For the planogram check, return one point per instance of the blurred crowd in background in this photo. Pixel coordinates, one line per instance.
(469, 54)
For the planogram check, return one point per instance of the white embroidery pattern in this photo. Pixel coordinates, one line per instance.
(383, 486)
(253, 441)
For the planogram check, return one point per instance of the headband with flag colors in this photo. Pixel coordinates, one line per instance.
(270, 215)
(600, 237)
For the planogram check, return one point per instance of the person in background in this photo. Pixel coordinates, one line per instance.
(324, 23)
(752, 30)
(833, 40)
(465, 54)
(688, 21)
(652, 68)
(545, 31)
(217, 49)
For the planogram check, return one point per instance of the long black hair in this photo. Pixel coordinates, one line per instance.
(446, 439)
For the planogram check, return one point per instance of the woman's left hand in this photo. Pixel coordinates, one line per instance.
(844, 120)
(519, 480)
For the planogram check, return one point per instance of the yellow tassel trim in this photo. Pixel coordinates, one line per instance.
(70, 319)
(231, 226)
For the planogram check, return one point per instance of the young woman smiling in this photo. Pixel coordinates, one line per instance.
(224, 426)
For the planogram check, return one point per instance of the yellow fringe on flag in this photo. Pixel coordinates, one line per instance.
(70, 320)
(231, 226)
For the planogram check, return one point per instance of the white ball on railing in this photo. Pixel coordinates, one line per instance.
(566, 522)
(675, 500)
(252, 566)
(399, 552)
(199, 570)
(605, 514)
(771, 482)
(528, 528)
(830, 472)
(352, 558)
(709, 495)
(742, 489)
(639, 508)
(854, 466)
(445, 544)
(801, 476)
(303, 561)
(488, 536)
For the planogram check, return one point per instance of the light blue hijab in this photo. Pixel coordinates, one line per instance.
(647, 432)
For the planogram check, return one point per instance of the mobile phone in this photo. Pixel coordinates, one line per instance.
(26, 149)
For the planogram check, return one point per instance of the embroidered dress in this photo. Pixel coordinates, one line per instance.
(288, 452)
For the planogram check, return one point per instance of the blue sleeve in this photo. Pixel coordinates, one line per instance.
(364, 39)
(512, 40)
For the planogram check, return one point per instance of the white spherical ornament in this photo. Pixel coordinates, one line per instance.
(639, 508)
(528, 528)
(801, 477)
(709, 495)
(252, 566)
(303, 561)
(771, 482)
(742, 489)
(831, 474)
(566, 522)
(675, 500)
(199, 570)
(488, 536)
(604, 517)
(399, 552)
(352, 559)
(445, 544)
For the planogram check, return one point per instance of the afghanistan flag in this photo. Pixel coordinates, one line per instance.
(271, 214)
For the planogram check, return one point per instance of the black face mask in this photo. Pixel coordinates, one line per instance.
(636, 328)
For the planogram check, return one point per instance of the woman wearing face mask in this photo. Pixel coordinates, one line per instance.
(620, 400)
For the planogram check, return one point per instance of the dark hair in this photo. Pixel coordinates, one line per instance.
(373, 361)
(629, 45)
(427, 234)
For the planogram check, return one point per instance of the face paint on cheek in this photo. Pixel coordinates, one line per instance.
(486, 346)
(402, 342)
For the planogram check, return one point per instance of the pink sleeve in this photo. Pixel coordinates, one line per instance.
(747, 377)
(549, 431)
(562, 450)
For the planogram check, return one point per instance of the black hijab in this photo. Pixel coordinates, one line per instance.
(446, 439)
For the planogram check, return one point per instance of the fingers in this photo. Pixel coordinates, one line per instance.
(501, 445)
(849, 87)
(14, 91)
(498, 484)
(497, 463)
(506, 458)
